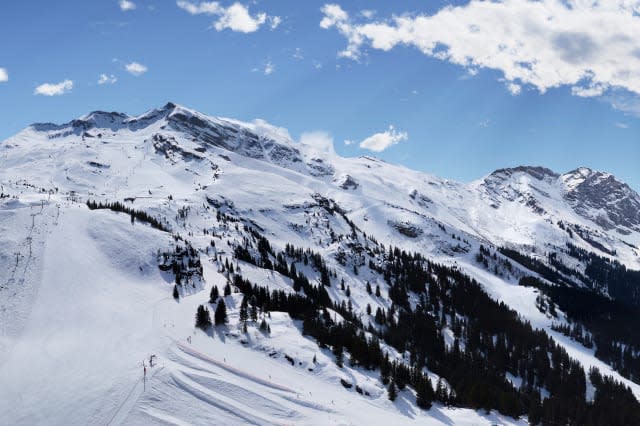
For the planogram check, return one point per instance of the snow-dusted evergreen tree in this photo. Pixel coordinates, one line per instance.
(213, 295)
(203, 319)
(220, 316)
(392, 392)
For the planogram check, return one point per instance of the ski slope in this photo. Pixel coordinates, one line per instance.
(102, 308)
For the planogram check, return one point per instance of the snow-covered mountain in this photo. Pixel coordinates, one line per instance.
(83, 302)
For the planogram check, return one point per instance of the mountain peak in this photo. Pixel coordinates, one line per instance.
(585, 174)
(600, 196)
(538, 172)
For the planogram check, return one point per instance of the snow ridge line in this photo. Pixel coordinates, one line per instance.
(233, 370)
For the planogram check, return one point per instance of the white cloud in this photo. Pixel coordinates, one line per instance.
(207, 8)
(274, 22)
(235, 17)
(136, 68)
(380, 141)
(622, 125)
(589, 91)
(4, 75)
(623, 101)
(107, 79)
(269, 68)
(318, 143)
(368, 13)
(514, 88)
(297, 54)
(54, 89)
(590, 46)
(126, 5)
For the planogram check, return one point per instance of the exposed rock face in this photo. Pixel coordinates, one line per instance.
(524, 184)
(407, 229)
(602, 198)
(347, 182)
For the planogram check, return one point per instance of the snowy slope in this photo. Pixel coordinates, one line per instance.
(82, 301)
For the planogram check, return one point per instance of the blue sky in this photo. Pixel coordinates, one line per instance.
(457, 89)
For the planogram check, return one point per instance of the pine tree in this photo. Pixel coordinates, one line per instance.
(220, 316)
(535, 410)
(213, 296)
(203, 319)
(385, 369)
(441, 392)
(392, 392)
(339, 354)
(368, 309)
(368, 287)
(253, 312)
(227, 290)
(377, 290)
(176, 295)
(424, 393)
(244, 312)
(348, 292)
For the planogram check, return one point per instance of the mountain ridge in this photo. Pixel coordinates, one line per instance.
(608, 205)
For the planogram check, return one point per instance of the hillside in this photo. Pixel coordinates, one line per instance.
(368, 275)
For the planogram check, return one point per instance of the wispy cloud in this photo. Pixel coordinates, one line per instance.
(623, 101)
(4, 75)
(589, 46)
(274, 22)
(136, 69)
(368, 13)
(319, 142)
(268, 68)
(207, 8)
(622, 125)
(126, 5)
(235, 17)
(297, 54)
(378, 142)
(54, 89)
(107, 79)
(514, 88)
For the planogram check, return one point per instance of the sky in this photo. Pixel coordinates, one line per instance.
(455, 88)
